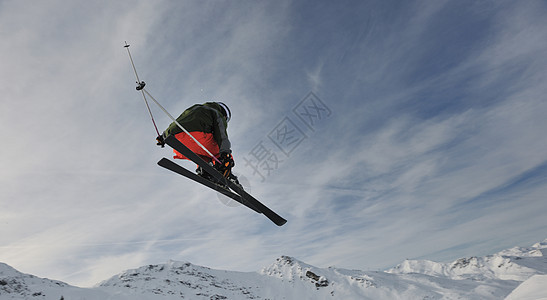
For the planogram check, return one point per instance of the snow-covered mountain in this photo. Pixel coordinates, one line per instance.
(16, 285)
(517, 273)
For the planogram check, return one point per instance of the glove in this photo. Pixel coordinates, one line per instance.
(160, 141)
(226, 163)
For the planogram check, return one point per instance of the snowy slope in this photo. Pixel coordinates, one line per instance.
(16, 285)
(535, 288)
(517, 272)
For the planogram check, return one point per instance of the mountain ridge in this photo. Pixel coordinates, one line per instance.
(515, 272)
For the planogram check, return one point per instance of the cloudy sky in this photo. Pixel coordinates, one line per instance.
(381, 130)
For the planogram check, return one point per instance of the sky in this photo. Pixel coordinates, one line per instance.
(381, 130)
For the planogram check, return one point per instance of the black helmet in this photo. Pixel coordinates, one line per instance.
(226, 111)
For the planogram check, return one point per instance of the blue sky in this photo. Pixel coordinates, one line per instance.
(431, 144)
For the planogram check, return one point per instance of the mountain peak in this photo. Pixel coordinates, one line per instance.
(286, 267)
(536, 250)
(512, 264)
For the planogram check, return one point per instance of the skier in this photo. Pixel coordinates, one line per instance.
(207, 123)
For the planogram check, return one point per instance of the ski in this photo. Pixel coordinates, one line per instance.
(172, 166)
(180, 147)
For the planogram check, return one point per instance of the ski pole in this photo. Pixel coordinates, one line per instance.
(140, 87)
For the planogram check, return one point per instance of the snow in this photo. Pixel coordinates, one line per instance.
(534, 288)
(16, 285)
(490, 267)
(516, 273)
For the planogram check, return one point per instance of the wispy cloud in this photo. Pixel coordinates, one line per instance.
(434, 147)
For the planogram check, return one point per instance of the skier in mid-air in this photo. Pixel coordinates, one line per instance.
(200, 131)
(207, 123)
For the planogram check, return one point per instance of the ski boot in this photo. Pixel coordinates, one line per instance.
(203, 174)
(200, 172)
(233, 179)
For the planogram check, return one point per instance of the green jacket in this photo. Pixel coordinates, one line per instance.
(206, 118)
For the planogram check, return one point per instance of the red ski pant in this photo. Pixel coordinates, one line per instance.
(206, 139)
